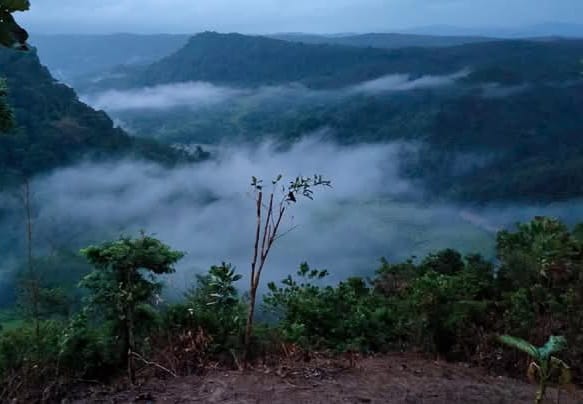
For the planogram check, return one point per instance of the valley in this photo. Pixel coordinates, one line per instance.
(423, 194)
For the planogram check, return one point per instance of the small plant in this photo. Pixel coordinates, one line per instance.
(544, 365)
(215, 303)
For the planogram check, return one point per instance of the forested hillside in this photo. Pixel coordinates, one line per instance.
(252, 61)
(476, 111)
(54, 128)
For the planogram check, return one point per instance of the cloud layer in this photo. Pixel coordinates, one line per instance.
(192, 94)
(202, 94)
(207, 210)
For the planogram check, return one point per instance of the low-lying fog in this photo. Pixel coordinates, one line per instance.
(202, 94)
(207, 210)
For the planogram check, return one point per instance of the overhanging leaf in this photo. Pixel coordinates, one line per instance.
(14, 5)
(520, 344)
(12, 35)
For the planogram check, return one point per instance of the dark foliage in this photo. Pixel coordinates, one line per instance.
(53, 128)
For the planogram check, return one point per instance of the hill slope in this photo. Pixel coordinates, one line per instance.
(70, 57)
(54, 128)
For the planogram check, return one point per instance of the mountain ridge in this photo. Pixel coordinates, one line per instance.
(250, 61)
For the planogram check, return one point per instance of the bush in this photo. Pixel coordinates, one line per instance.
(343, 318)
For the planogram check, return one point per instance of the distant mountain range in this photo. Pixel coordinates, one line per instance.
(247, 61)
(382, 40)
(70, 57)
(496, 120)
(547, 29)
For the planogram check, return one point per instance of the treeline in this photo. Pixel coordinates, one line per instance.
(444, 304)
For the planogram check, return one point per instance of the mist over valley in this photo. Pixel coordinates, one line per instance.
(311, 201)
(388, 127)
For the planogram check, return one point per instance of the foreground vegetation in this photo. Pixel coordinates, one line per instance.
(445, 304)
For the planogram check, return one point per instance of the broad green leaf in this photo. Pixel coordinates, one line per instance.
(521, 345)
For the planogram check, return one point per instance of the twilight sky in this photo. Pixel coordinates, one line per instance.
(271, 16)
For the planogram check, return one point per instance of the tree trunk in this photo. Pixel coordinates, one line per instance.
(249, 326)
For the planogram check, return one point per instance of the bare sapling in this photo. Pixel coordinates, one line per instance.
(271, 208)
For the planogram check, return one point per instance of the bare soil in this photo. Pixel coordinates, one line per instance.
(398, 378)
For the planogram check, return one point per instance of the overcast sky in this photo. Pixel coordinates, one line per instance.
(271, 16)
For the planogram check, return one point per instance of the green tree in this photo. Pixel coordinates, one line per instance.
(124, 283)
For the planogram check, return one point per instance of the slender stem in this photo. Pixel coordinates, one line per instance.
(266, 228)
(257, 236)
(254, 281)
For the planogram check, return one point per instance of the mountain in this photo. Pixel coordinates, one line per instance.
(54, 128)
(383, 40)
(547, 29)
(498, 120)
(250, 61)
(70, 57)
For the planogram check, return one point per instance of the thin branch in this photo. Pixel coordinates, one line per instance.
(149, 363)
(270, 241)
(266, 228)
(286, 232)
(281, 212)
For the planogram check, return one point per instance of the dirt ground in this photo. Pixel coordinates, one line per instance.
(389, 379)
